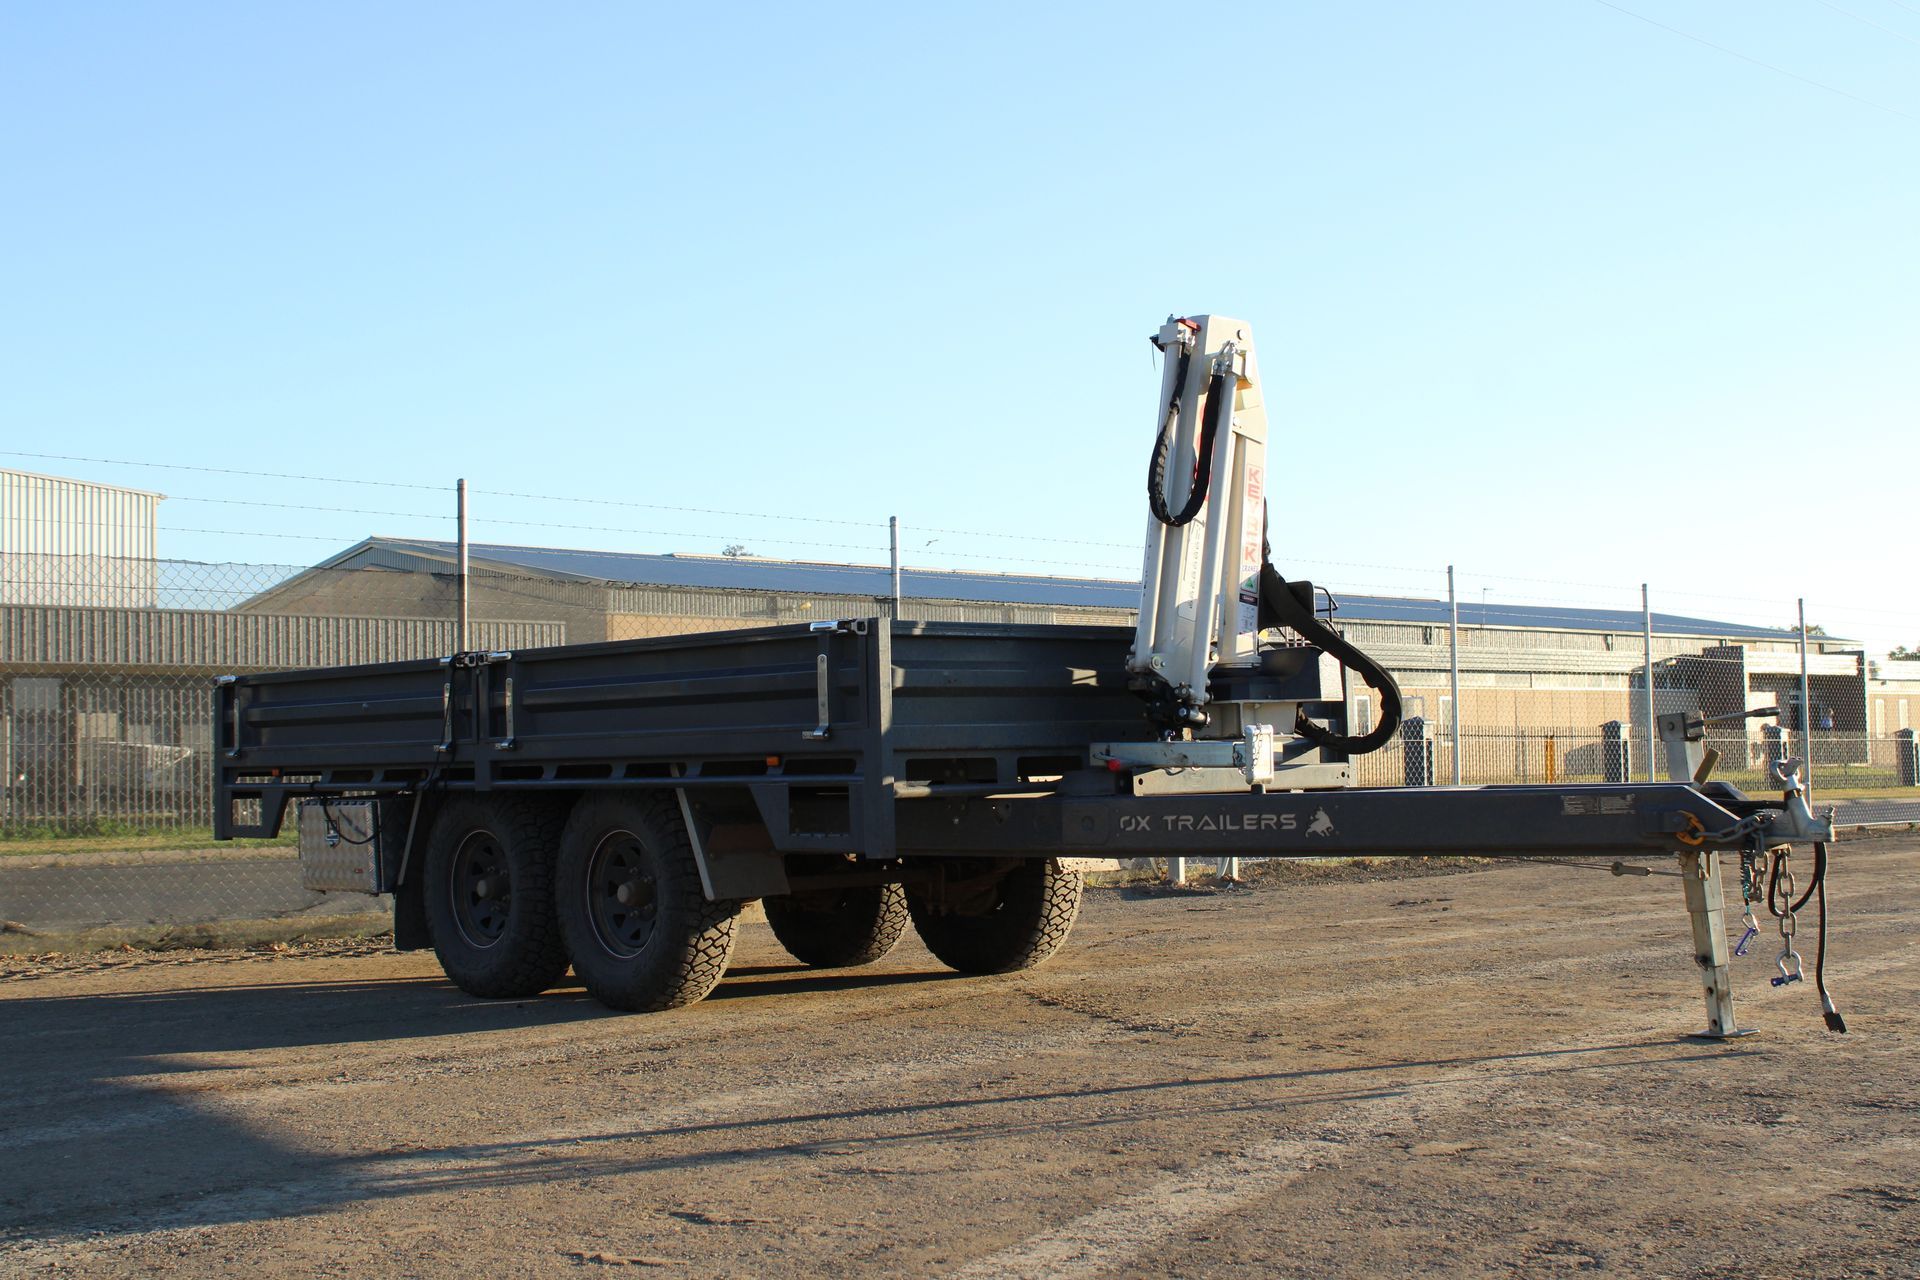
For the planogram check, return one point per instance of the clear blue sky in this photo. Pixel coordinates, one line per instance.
(1539, 288)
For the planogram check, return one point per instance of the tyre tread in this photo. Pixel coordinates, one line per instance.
(690, 971)
(1030, 926)
(539, 960)
(825, 941)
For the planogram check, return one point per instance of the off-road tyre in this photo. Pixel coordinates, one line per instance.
(1014, 925)
(840, 928)
(663, 945)
(488, 888)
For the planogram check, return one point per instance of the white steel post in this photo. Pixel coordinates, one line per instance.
(460, 632)
(1806, 712)
(1646, 634)
(1160, 570)
(1176, 871)
(1453, 666)
(893, 540)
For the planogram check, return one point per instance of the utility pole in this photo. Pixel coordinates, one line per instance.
(1806, 711)
(1453, 662)
(893, 540)
(460, 633)
(1646, 632)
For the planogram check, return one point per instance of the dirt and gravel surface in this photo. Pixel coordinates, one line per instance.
(1468, 1074)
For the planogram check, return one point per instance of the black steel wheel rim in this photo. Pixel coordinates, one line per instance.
(481, 889)
(623, 896)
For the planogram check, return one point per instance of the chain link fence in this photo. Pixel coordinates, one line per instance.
(107, 669)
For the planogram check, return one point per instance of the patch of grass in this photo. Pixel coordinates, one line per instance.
(107, 835)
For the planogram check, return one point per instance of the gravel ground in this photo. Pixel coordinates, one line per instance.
(1326, 1074)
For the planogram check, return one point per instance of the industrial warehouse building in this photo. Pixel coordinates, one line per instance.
(1522, 668)
(107, 651)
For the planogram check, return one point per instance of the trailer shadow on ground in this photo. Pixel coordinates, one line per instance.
(765, 980)
(102, 1036)
(113, 1066)
(86, 1068)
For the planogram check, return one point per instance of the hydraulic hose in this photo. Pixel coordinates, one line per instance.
(1817, 889)
(1218, 399)
(1828, 1009)
(1279, 606)
(1773, 883)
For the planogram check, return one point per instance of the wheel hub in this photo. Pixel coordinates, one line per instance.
(622, 894)
(482, 891)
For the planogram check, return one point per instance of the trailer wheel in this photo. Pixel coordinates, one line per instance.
(638, 924)
(1015, 923)
(488, 885)
(838, 928)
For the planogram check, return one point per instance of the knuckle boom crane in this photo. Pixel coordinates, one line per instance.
(1237, 703)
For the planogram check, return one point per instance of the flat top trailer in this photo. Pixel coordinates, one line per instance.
(611, 807)
(856, 774)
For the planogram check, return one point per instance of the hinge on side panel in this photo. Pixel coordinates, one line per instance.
(477, 658)
(823, 672)
(506, 743)
(822, 680)
(446, 717)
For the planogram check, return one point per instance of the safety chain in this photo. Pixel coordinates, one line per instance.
(1749, 894)
(1788, 962)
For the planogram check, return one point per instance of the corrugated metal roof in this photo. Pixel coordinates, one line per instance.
(749, 573)
(36, 635)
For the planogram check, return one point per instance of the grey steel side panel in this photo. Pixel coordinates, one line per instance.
(723, 709)
(963, 689)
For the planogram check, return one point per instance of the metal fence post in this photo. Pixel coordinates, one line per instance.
(1453, 667)
(1806, 712)
(1646, 637)
(460, 632)
(1906, 751)
(1616, 752)
(1416, 751)
(893, 541)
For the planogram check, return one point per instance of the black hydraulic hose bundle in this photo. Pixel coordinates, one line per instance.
(1217, 401)
(1281, 606)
